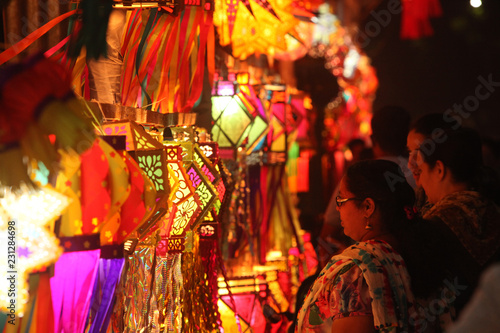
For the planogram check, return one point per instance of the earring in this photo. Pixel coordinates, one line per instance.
(368, 226)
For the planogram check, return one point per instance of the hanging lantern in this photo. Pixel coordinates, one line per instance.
(148, 152)
(238, 118)
(259, 127)
(186, 202)
(24, 220)
(150, 156)
(259, 26)
(276, 105)
(211, 151)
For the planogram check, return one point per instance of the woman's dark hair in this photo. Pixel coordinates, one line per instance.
(385, 183)
(429, 123)
(460, 151)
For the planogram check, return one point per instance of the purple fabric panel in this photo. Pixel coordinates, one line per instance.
(71, 288)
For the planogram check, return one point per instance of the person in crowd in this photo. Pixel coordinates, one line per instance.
(464, 195)
(390, 126)
(423, 133)
(331, 237)
(367, 287)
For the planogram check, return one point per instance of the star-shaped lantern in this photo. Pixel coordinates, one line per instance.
(24, 222)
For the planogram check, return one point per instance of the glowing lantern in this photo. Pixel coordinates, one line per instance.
(237, 114)
(277, 109)
(261, 26)
(203, 176)
(36, 247)
(150, 156)
(186, 202)
(211, 151)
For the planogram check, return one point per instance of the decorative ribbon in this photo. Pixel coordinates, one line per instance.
(140, 52)
(20, 46)
(49, 53)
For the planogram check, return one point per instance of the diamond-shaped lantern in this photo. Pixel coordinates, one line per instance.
(186, 203)
(236, 115)
(211, 151)
(147, 152)
(202, 175)
(150, 156)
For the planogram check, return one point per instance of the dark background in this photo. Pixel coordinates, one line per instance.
(433, 73)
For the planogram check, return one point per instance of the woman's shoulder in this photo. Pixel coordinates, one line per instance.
(463, 205)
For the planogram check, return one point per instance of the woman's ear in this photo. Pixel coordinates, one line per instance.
(368, 206)
(440, 170)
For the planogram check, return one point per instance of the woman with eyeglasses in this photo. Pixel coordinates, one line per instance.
(367, 287)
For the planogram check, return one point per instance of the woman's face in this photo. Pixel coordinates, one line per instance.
(413, 142)
(351, 217)
(428, 178)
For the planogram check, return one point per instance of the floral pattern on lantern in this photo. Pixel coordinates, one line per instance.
(204, 188)
(186, 203)
(152, 164)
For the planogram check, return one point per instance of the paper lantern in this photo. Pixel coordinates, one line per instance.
(250, 295)
(151, 158)
(137, 138)
(276, 105)
(211, 152)
(238, 116)
(203, 177)
(260, 124)
(186, 202)
(260, 26)
(26, 215)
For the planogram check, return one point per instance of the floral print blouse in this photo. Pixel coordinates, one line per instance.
(368, 278)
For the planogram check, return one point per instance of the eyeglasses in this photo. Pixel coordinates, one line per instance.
(340, 201)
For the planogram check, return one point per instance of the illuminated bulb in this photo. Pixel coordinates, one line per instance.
(476, 3)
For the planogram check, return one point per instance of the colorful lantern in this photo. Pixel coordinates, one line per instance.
(238, 115)
(276, 104)
(24, 222)
(257, 27)
(186, 202)
(150, 156)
